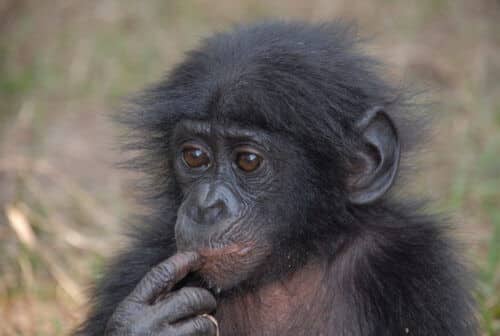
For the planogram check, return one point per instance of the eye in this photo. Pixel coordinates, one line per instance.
(248, 161)
(195, 157)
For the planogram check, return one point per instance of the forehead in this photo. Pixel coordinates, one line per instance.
(222, 129)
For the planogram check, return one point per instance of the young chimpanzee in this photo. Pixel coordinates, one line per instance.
(270, 151)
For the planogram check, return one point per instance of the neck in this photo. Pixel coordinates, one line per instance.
(272, 309)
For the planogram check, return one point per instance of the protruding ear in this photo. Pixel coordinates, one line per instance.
(379, 161)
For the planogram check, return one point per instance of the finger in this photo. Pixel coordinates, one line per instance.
(186, 302)
(197, 326)
(165, 275)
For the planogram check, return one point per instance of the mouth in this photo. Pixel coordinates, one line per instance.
(232, 250)
(226, 266)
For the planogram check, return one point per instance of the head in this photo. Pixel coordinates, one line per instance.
(265, 139)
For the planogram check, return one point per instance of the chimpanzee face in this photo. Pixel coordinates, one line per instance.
(231, 178)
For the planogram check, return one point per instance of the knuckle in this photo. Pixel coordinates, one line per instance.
(117, 323)
(126, 308)
(197, 296)
(203, 324)
(189, 297)
(166, 331)
(163, 272)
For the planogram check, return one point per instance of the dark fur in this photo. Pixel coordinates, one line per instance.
(390, 268)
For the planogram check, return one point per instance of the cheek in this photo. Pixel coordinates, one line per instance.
(187, 234)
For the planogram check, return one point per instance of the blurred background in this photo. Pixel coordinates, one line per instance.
(65, 65)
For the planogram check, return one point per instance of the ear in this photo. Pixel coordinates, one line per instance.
(379, 161)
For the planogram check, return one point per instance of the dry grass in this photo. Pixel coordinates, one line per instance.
(64, 64)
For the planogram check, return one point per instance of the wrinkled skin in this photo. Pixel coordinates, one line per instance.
(154, 309)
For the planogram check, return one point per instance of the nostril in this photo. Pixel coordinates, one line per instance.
(207, 215)
(212, 213)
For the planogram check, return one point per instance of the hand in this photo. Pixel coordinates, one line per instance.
(154, 309)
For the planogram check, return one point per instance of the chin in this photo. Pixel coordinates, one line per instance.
(226, 267)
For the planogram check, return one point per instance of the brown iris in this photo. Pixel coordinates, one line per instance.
(248, 161)
(195, 157)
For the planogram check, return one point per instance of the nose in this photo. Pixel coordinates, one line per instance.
(211, 214)
(211, 205)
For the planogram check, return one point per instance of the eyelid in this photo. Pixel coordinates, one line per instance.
(195, 144)
(192, 143)
(247, 148)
